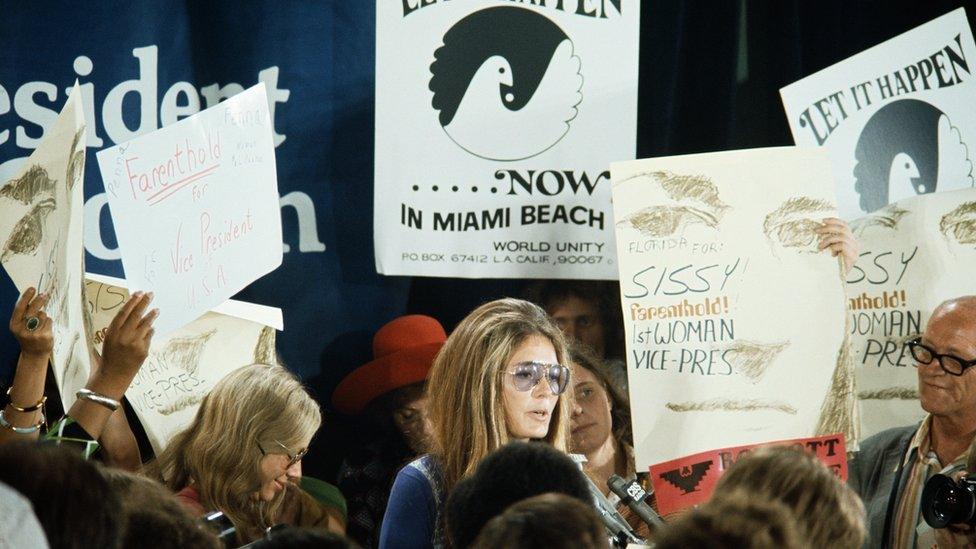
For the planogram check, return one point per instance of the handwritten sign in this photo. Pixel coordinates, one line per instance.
(183, 366)
(195, 207)
(897, 118)
(690, 480)
(734, 321)
(41, 231)
(916, 253)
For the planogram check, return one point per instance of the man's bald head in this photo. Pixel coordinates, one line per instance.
(951, 330)
(960, 309)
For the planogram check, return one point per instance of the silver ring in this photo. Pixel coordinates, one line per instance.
(32, 323)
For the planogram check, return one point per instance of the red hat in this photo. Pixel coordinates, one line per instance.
(403, 352)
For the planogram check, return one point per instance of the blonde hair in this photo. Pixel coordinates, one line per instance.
(737, 520)
(254, 407)
(827, 511)
(464, 388)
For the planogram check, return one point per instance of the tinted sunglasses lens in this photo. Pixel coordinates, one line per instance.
(526, 375)
(558, 379)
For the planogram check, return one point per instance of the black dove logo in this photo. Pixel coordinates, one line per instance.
(688, 477)
(506, 83)
(907, 148)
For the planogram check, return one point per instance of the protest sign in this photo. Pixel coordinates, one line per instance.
(486, 112)
(41, 228)
(183, 366)
(915, 254)
(897, 118)
(690, 480)
(734, 321)
(195, 207)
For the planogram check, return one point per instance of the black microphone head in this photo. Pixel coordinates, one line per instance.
(616, 484)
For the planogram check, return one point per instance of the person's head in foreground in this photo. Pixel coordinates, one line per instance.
(245, 445)
(514, 472)
(735, 520)
(151, 516)
(826, 511)
(542, 522)
(498, 378)
(72, 500)
(304, 538)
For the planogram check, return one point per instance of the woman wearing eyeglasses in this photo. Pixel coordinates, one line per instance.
(242, 453)
(498, 378)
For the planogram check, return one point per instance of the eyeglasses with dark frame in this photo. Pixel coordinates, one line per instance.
(526, 375)
(292, 458)
(950, 364)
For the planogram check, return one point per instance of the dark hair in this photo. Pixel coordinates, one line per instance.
(736, 520)
(540, 522)
(73, 502)
(620, 414)
(151, 516)
(514, 472)
(604, 294)
(297, 538)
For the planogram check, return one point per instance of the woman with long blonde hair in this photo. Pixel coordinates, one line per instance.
(242, 453)
(498, 378)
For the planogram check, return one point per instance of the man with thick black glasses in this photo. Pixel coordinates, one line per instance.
(892, 467)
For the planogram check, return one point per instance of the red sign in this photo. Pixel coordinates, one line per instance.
(689, 481)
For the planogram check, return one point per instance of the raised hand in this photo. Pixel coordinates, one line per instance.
(836, 236)
(31, 326)
(126, 345)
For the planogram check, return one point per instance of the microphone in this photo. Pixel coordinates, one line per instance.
(612, 520)
(632, 494)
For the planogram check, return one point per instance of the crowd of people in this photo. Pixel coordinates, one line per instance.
(504, 433)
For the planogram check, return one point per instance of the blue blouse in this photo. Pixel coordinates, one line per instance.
(413, 514)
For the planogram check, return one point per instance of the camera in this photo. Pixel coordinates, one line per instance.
(946, 501)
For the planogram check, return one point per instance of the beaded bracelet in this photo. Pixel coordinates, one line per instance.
(22, 430)
(34, 408)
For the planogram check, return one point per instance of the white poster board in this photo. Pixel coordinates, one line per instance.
(41, 230)
(898, 118)
(915, 254)
(495, 124)
(183, 366)
(195, 207)
(734, 322)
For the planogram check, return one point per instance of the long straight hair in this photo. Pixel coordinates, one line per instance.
(464, 388)
(254, 407)
(621, 429)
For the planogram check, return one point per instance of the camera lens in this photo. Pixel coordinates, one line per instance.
(944, 502)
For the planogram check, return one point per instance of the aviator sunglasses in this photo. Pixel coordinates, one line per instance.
(527, 375)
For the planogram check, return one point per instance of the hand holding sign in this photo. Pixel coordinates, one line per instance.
(36, 338)
(127, 342)
(836, 236)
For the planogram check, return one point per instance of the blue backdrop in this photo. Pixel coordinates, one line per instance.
(316, 59)
(324, 54)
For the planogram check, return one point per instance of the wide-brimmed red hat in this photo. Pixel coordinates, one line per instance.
(403, 352)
